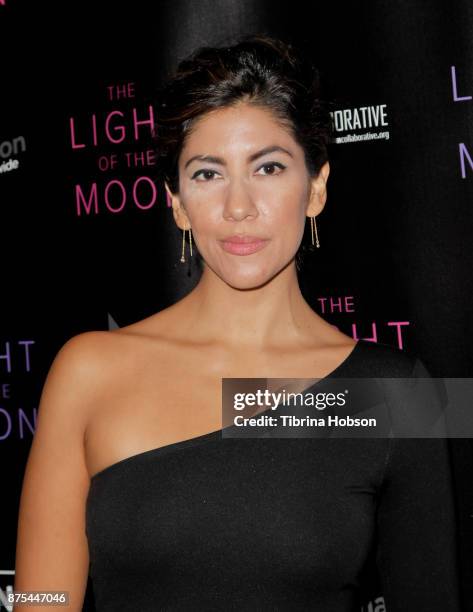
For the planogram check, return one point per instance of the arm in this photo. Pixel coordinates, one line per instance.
(416, 547)
(52, 550)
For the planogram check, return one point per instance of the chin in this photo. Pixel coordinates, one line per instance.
(248, 278)
(247, 284)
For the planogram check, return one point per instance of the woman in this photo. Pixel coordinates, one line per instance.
(128, 470)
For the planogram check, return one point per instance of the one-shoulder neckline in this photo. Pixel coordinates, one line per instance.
(212, 435)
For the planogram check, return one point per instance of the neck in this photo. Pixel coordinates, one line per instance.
(266, 317)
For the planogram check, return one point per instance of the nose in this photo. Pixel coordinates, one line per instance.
(239, 202)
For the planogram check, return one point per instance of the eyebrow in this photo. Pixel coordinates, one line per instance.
(252, 157)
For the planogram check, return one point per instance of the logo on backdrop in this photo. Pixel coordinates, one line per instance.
(113, 140)
(9, 150)
(392, 331)
(361, 123)
(17, 421)
(465, 156)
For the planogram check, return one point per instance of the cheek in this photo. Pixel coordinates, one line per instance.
(282, 195)
(202, 207)
(207, 220)
(286, 211)
(207, 225)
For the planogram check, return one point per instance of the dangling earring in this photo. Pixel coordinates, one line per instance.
(183, 259)
(313, 228)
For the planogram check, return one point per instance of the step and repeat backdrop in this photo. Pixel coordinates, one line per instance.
(88, 237)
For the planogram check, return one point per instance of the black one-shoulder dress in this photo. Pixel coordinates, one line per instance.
(213, 523)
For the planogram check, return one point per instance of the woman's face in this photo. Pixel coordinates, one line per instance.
(231, 184)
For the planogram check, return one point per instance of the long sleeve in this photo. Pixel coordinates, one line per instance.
(416, 540)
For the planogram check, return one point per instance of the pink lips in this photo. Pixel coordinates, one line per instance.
(243, 245)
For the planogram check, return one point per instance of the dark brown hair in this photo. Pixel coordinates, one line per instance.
(258, 69)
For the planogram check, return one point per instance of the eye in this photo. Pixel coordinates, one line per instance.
(204, 171)
(272, 165)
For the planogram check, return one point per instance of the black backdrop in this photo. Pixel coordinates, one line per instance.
(396, 252)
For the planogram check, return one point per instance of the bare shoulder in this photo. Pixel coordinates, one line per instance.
(84, 366)
(69, 392)
(90, 353)
(86, 348)
(82, 353)
(52, 551)
(75, 363)
(98, 360)
(108, 361)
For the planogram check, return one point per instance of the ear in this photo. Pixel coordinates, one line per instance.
(179, 214)
(318, 191)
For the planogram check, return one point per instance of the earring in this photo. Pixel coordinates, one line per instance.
(313, 228)
(183, 259)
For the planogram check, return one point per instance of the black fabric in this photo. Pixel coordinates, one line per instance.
(213, 523)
